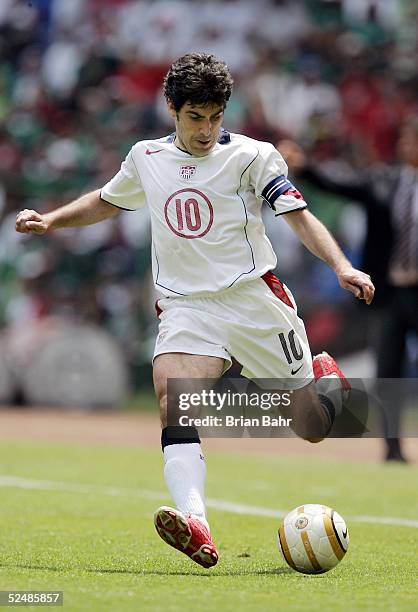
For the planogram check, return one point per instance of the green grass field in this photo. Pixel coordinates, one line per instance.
(79, 519)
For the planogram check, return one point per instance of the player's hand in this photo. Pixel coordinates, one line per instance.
(357, 282)
(293, 155)
(30, 221)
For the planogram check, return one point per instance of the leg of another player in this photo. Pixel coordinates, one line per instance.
(391, 351)
(184, 464)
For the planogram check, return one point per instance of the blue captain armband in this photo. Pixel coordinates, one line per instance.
(275, 189)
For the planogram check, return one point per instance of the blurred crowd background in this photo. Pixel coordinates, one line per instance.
(80, 83)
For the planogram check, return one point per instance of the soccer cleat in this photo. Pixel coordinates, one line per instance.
(187, 534)
(325, 365)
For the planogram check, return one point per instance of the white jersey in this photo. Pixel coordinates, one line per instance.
(207, 229)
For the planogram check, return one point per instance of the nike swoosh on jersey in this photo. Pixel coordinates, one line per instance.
(293, 372)
(149, 152)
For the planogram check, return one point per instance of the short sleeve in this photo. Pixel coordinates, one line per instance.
(125, 189)
(268, 176)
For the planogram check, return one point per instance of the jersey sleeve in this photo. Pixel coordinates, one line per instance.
(268, 176)
(125, 190)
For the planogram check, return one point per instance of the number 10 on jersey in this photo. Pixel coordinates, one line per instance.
(189, 213)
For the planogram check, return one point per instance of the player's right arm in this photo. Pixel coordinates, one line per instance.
(86, 210)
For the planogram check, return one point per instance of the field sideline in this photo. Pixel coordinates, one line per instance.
(77, 517)
(142, 429)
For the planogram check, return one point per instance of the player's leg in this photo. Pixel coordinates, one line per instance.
(270, 342)
(391, 349)
(332, 390)
(315, 407)
(310, 419)
(186, 528)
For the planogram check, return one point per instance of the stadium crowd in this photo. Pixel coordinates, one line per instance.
(80, 82)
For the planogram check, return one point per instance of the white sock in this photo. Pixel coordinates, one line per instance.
(330, 386)
(185, 474)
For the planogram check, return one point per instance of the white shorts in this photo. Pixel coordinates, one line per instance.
(255, 322)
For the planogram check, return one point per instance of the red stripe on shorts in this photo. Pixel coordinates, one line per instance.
(277, 288)
(158, 309)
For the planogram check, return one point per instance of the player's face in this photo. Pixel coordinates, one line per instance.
(197, 127)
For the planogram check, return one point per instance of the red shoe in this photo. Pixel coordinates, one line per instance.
(187, 534)
(325, 365)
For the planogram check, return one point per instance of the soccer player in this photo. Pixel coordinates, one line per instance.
(212, 264)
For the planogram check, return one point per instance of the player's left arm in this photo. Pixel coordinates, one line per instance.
(320, 242)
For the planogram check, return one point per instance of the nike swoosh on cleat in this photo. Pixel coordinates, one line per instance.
(149, 152)
(293, 372)
(345, 534)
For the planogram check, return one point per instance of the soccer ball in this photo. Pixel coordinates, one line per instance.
(313, 539)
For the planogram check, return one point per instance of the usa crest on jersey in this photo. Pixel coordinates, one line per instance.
(187, 172)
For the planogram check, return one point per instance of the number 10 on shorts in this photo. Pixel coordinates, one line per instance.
(291, 347)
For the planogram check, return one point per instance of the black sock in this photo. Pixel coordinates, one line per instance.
(179, 435)
(329, 409)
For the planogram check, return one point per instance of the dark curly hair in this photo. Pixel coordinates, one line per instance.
(200, 79)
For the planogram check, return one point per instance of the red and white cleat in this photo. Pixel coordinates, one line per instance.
(187, 534)
(325, 366)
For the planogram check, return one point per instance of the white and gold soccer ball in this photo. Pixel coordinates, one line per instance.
(313, 538)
